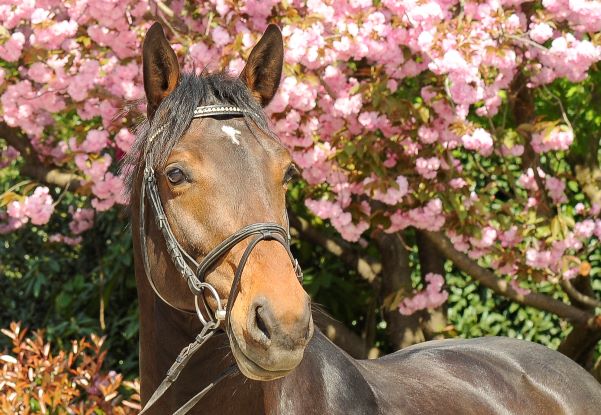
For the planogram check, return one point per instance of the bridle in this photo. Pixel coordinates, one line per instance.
(194, 272)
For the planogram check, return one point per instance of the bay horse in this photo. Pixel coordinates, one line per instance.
(212, 256)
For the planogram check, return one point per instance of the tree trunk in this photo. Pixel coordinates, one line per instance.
(580, 344)
(431, 260)
(402, 330)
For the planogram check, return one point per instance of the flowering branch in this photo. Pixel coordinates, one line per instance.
(178, 25)
(368, 268)
(32, 167)
(501, 287)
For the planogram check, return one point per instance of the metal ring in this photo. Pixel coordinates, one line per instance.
(219, 312)
(198, 312)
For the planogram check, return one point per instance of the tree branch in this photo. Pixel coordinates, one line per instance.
(574, 294)
(177, 25)
(32, 166)
(15, 138)
(501, 287)
(339, 334)
(50, 176)
(368, 268)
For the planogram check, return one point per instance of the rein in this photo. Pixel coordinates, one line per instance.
(194, 272)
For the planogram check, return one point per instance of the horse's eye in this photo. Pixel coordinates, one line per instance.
(292, 173)
(176, 176)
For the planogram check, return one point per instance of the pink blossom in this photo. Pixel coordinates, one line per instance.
(459, 241)
(480, 141)
(220, 36)
(11, 49)
(16, 210)
(40, 72)
(510, 237)
(556, 139)
(429, 217)
(568, 57)
(556, 188)
(341, 220)
(433, 296)
(427, 135)
(515, 150)
(518, 289)
(539, 259)
(124, 139)
(368, 120)
(323, 208)
(52, 35)
(540, 32)
(457, 183)
(391, 160)
(84, 80)
(201, 55)
(584, 229)
(7, 156)
(83, 219)
(109, 191)
(597, 231)
(393, 195)
(67, 240)
(11, 224)
(38, 207)
(427, 167)
(96, 140)
(346, 106)
(528, 181)
(488, 237)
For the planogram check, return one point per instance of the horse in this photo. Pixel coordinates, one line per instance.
(220, 294)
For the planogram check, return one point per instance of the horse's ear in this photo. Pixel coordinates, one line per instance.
(160, 67)
(263, 70)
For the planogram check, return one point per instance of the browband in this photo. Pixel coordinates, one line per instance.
(209, 111)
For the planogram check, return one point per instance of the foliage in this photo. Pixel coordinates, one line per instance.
(74, 291)
(37, 380)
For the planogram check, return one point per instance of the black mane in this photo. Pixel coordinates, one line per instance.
(176, 111)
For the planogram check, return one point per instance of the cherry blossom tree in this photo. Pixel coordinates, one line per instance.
(437, 117)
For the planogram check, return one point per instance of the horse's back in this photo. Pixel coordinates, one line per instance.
(490, 375)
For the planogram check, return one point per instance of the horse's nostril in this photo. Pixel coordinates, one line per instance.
(260, 323)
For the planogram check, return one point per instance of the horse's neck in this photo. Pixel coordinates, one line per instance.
(326, 381)
(162, 337)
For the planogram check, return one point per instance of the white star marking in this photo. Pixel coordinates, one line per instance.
(231, 133)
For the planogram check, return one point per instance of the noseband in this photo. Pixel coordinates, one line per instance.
(194, 272)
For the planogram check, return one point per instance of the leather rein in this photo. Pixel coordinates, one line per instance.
(194, 272)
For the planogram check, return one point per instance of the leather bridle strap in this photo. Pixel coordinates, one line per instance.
(269, 230)
(185, 408)
(182, 359)
(210, 328)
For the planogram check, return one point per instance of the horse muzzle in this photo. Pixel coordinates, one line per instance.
(268, 346)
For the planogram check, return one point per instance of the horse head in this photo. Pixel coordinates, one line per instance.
(218, 173)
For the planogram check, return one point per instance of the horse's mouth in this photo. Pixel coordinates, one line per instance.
(249, 368)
